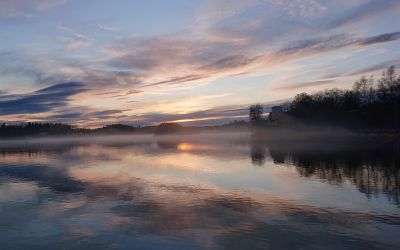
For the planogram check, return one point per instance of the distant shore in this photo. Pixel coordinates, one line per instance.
(249, 132)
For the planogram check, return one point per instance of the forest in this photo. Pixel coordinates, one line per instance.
(371, 104)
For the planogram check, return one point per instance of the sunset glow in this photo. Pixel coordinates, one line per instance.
(198, 62)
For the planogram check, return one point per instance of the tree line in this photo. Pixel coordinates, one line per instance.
(370, 104)
(36, 128)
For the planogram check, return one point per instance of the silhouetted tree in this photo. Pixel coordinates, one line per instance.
(169, 128)
(365, 106)
(255, 113)
(35, 129)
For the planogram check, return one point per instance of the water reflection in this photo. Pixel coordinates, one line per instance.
(372, 167)
(258, 153)
(199, 194)
(43, 176)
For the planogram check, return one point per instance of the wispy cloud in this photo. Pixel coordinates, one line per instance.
(111, 29)
(369, 9)
(44, 5)
(230, 62)
(164, 61)
(383, 38)
(75, 40)
(40, 101)
(26, 8)
(82, 114)
(310, 47)
(370, 70)
(180, 79)
(229, 41)
(301, 8)
(319, 44)
(211, 116)
(303, 85)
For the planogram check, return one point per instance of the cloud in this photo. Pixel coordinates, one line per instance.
(211, 116)
(319, 44)
(167, 61)
(364, 11)
(203, 59)
(40, 101)
(180, 79)
(122, 94)
(27, 8)
(109, 28)
(86, 114)
(46, 69)
(302, 8)
(44, 5)
(160, 53)
(72, 114)
(229, 39)
(74, 43)
(314, 46)
(206, 117)
(86, 117)
(374, 68)
(302, 85)
(108, 93)
(229, 62)
(76, 40)
(179, 61)
(383, 38)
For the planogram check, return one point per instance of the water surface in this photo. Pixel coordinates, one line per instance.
(214, 192)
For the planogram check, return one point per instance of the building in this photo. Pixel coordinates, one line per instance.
(276, 113)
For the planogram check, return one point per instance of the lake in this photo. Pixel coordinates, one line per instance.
(228, 191)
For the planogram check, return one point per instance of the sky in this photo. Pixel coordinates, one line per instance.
(197, 62)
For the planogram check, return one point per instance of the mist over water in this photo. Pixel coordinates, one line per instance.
(215, 191)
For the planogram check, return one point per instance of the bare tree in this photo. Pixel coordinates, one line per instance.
(255, 113)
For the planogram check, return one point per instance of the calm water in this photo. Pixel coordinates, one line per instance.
(219, 192)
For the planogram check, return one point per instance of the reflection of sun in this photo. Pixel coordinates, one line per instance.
(185, 146)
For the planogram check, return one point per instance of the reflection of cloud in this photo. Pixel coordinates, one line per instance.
(108, 201)
(11, 192)
(44, 176)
